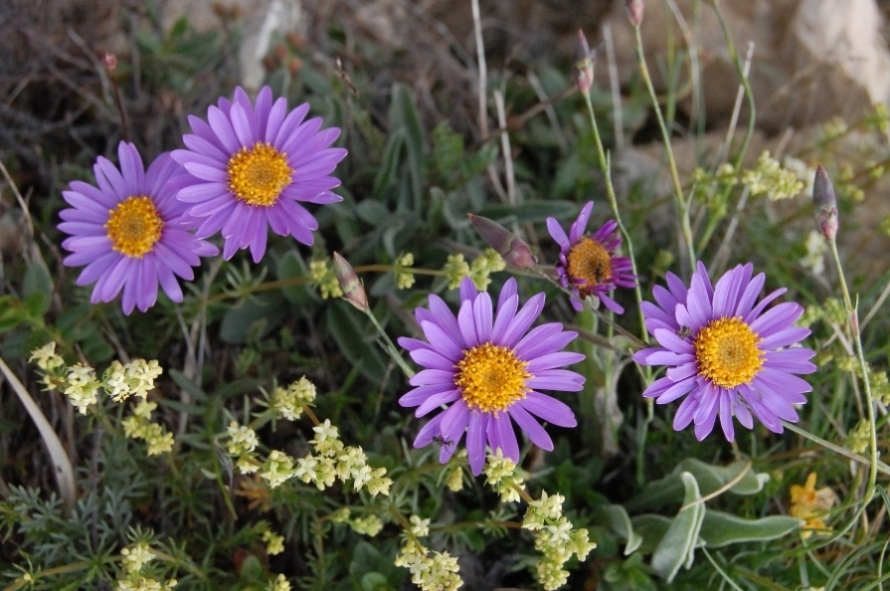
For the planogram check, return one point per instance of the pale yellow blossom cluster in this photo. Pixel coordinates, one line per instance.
(555, 538)
(488, 262)
(139, 426)
(403, 276)
(280, 583)
(500, 474)
(81, 385)
(133, 558)
(431, 571)
(455, 269)
(274, 542)
(289, 402)
(369, 525)
(814, 259)
(770, 178)
(324, 279)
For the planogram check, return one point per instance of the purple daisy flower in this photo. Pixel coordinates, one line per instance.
(587, 262)
(489, 367)
(251, 166)
(726, 354)
(130, 231)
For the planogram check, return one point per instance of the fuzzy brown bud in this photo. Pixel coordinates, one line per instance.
(353, 290)
(635, 10)
(826, 204)
(583, 66)
(513, 250)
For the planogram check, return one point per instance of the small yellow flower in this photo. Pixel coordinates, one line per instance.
(811, 505)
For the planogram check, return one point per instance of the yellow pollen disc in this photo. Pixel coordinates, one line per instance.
(134, 226)
(589, 264)
(259, 174)
(727, 353)
(491, 378)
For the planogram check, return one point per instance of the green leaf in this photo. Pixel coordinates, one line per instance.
(187, 385)
(670, 490)
(722, 529)
(254, 317)
(677, 547)
(403, 115)
(386, 174)
(292, 266)
(37, 281)
(651, 528)
(619, 522)
(347, 330)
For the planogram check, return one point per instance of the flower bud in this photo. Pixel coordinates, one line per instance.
(583, 66)
(353, 290)
(634, 11)
(826, 204)
(513, 250)
(109, 60)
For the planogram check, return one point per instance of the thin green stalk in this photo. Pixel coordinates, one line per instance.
(877, 465)
(389, 347)
(605, 166)
(853, 322)
(679, 199)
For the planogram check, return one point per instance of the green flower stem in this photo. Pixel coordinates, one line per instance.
(389, 347)
(877, 465)
(682, 206)
(853, 323)
(605, 166)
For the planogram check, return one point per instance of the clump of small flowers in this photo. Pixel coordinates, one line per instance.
(555, 538)
(369, 525)
(454, 474)
(46, 358)
(241, 445)
(771, 179)
(279, 584)
(403, 277)
(880, 385)
(133, 558)
(858, 438)
(885, 225)
(455, 269)
(139, 426)
(814, 259)
(500, 473)
(277, 469)
(324, 279)
(274, 542)
(431, 571)
(136, 378)
(483, 266)
(290, 402)
(81, 387)
(333, 460)
(804, 173)
(810, 504)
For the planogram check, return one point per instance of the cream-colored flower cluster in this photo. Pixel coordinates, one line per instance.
(280, 583)
(274, 542)
(555, 538)
(431, 571)
(133, 558)
(368, 525)
(139, 426)
(770, 178)
(403, 276)
(814, 259)
(324, 279)
(289, 402)
(500, 473)
(80, 384)
(456, 268)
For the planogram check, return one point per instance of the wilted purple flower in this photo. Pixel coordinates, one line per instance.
(130, 232)
(588, 264)
(727, 355)
(251, 165)
(489, 367)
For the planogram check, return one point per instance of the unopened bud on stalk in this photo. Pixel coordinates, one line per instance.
(583, 68)
(513, 250)
(353, 290)
(110, 62)
(634, 11)
(826, 204)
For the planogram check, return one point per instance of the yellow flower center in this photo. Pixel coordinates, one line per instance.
(259, 174)
(134, 226)
(491, 378)
(727, 353)
(589, 264)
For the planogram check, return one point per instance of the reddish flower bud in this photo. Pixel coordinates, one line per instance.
(513, 250)
(826, 204)
(634, 11)
(353, 290)
(110, 61)
(583, 67)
